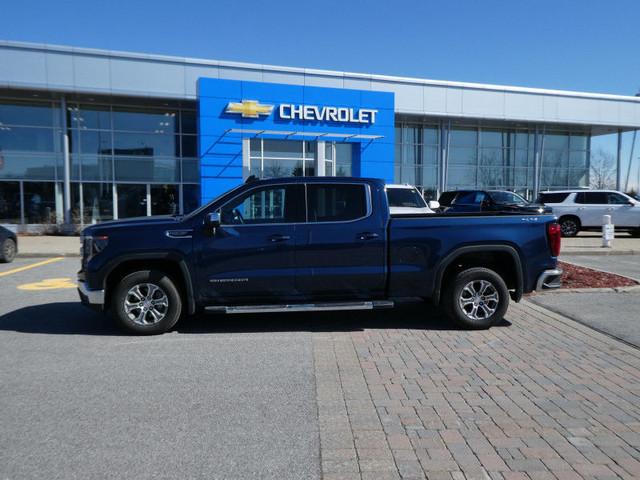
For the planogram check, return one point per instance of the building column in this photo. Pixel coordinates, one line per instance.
(536, 164)
(319, 158)
(619, 160)
(67, 163)
(444, 152)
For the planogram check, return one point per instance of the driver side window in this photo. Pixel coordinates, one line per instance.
(266, 205)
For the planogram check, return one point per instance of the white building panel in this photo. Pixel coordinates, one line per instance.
(91, 73)
(522, 106)
(435, 100)
(454, 102)
(59, 70)
(235, 73)
(578, 109)
(23, 67)
(483, 103)
(409, 98)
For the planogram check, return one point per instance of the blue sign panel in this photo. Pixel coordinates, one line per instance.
(230, 110)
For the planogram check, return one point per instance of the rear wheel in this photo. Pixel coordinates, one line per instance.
(476, 298)
(146, 302)
(570, 226)
(8, 251)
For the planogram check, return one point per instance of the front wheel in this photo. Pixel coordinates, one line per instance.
(476, 298)
(146, 302)
(8, 251)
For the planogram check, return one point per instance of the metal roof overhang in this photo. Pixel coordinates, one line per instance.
(286, 134)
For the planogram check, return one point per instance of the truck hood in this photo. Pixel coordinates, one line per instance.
(154, 221)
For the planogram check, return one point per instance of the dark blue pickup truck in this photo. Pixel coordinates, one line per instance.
(297, 244)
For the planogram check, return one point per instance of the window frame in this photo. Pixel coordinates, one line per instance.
(368, 204)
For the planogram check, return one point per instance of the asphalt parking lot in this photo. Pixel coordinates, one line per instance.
(81, 400)
(342, 395)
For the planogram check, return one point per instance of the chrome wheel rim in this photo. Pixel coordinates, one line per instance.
(479, 299)
(9, 250)
(146, 304)
(569, 228)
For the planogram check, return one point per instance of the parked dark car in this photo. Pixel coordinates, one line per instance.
(463, 201)
(8, 245)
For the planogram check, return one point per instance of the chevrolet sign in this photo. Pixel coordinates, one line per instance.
(253, 109)
(327, 114)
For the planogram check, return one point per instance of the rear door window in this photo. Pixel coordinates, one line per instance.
(617, 199)
(336, 202)
(553, 197)
(592, 198)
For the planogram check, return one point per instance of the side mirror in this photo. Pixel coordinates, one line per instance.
(433, 205)
(212, 220)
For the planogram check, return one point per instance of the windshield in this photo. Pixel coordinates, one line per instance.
(206, 205)
(405, 197)
(508, 197)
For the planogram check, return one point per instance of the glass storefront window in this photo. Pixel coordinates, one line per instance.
(189, 122)
(460, 177)
(189, 146)
(463, 156)
(496, 138)
(39, 202)
(164, 199)
(147, 169)
(190, 170)
(463, 136)
(146, 144)
(144, 120)
(10, 202)
(190, 198)
(578, 142)
(97, 168)
(493, 157)
(132, 200)
(90, 116)
(26, 113)
(24, 139)
(92, 142)
(283, 148)
(97, 202)
(556, 141)
(36, 167)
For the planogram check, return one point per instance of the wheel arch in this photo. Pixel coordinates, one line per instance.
(493, 257)
(172, 264)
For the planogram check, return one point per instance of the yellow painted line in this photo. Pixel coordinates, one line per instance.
(49, 284)
(31, 266)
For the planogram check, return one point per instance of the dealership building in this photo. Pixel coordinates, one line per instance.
(90, 135)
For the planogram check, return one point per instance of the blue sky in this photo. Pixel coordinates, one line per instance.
(583, 45)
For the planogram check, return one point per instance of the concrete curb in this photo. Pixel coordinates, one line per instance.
(635, 288)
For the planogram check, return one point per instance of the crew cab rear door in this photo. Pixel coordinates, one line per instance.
(340, 249)
(250, 255)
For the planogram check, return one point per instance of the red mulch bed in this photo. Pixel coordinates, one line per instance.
(581, 277)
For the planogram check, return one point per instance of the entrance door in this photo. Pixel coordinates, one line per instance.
(250, 256)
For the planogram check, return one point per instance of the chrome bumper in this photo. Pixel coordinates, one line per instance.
(91, 298)
(549, 279)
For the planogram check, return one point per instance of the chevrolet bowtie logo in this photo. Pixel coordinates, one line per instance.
(249, 109)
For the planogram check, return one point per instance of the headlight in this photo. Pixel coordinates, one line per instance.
(91, 246)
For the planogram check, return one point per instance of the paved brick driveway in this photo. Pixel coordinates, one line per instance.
(538, 397)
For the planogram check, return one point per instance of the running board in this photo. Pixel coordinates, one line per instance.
(301, 307)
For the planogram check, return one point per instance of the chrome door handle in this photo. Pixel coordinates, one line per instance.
(366, 235)
(279, 238)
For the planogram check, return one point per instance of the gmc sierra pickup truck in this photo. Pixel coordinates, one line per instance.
(297, 244)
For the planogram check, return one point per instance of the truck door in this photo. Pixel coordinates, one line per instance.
(250, 256)
(340, 249)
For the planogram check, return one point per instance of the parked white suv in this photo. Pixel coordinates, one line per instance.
(583, 210)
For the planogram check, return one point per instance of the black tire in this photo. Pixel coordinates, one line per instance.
(491, 300)
(635, 233)
(146, 311)
(569, 226)
(8, 251)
